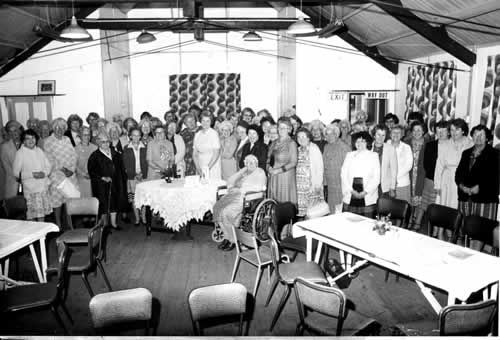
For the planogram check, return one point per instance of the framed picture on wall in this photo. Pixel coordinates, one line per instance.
(46, 87)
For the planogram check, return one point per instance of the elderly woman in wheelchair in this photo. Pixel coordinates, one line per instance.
(228, 209)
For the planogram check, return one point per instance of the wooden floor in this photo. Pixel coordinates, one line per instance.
(171, 269)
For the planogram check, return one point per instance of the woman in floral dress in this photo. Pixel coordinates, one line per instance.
(309, 172)
(187, 135)
(62, 156)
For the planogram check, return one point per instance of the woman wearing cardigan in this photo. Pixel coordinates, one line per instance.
(360, 177)
(136, 168)
(477, 177)
(255, 146)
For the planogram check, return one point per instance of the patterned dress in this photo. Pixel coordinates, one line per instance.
(282, 186)
(61, 154)
(228, 160)
(188, 137)
(82, 174)
(333, 158)
(306, 196)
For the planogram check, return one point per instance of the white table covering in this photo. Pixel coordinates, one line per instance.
(15, 234)
(457, 270)
(176, 203)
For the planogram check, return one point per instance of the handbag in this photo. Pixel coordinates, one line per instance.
(68, 189)
(319, 209)
(357, 185)
(334, 268)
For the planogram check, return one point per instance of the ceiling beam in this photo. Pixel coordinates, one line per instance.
(215, 24)
(39, 44)
(372, 52)
(437, 35)
(463, 14)
(12, 43)
(356, 12)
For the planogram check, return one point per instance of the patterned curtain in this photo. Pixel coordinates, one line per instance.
(490, 108)
(217, 92)
(432, 91)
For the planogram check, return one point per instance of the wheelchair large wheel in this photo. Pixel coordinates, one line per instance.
(217, 234)
(264, 219)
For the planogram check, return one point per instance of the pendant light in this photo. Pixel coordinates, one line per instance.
(301, 26)
(252, 36)
(145, 37)
(74, 31)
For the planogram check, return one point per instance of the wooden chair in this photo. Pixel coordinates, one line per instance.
(444, 217)
(121, 308)
(480, 229)
(48, 295)
(457, 320)
(85, 260)
(286, 273)
(217, 301)
(322, 310)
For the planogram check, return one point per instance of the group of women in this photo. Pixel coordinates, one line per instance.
(349, 167)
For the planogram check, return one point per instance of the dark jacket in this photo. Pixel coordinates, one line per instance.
(484, 172)
(129, 162)
(114, 195)
(259, 150)
(70, 136)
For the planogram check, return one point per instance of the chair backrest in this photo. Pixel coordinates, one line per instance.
(94, 243)
(82, 206)
(323, 299)
(479, 228)
(62, 268)
(217, 301)
(275, 254)
(444, 217)
(14, 208)
(399, 209)
(470, 319)
(122, 306)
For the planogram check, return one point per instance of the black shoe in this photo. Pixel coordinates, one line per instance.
(223, 244)
(230, 247)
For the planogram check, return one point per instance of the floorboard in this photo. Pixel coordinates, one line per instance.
(171, 269)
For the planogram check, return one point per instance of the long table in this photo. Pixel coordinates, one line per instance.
(457, 270)
(15, 234)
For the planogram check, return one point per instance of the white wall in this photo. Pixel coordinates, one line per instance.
(320, 71)
(150, 73)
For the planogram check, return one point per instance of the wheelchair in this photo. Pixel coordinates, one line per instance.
(257, 217)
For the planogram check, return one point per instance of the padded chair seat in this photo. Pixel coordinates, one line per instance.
(308, 270)
(251, 255)
(354, 325)
(79, 260)
(74, 236)
(420, 328)
(27, 296)
(121, 306)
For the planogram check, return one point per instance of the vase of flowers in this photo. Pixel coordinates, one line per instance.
(383, 224)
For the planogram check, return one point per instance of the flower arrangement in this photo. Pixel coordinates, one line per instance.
(383, 224)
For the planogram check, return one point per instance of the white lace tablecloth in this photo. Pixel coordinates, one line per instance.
(176, 203)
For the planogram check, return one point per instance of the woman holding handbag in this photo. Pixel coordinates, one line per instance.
(361, 176)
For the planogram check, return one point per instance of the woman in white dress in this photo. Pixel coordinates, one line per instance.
(447, 162)
(206, 148)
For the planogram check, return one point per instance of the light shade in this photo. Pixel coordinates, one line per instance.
(300, 27)
(145, 37)
(73, 31)
(252, 36)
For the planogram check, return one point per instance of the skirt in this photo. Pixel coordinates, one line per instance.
(367, 210)
(404, 193)
(428, 194)
(487, 210)
(38, 205)
(283, 187)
